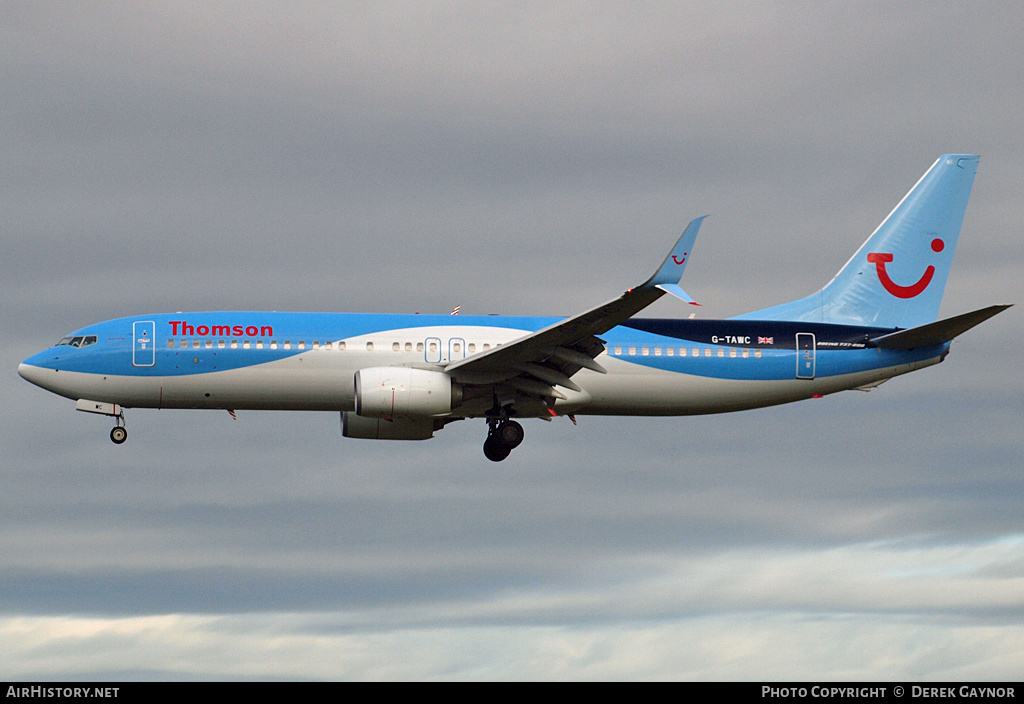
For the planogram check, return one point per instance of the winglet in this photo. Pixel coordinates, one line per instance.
(671, 270)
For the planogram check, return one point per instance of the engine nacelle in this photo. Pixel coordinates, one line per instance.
(404, 392)
(420, 428)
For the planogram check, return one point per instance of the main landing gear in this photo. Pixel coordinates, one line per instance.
(503, 436)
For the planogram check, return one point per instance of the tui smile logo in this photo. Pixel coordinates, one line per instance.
(880, 259)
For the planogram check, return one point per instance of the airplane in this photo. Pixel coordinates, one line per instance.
(405, 377)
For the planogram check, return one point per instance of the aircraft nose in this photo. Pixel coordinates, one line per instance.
(30, 372)
(34, 368)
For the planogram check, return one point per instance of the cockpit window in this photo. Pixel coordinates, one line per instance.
(78, 341)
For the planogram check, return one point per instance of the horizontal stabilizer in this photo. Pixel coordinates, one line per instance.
(936, 333)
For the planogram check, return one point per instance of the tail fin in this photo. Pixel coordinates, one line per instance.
(897, 277)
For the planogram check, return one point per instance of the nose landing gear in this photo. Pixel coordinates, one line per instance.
(119, 434)
(503, 436)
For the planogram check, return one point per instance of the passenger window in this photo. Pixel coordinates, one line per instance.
(657, 351)
(472, 347)
(721, 352)
(273, 344)
(457, 347)
(209, 344)
(245, 344)
(287, 344)
(170, 344)
(396, 346)
(419, 346)
(732, 352)
(341, 346)
(195, 344)
(221, 344)
(433, 347)
(301, 345)
(618, 351)
(707, 351)
(757, 354)
(682, 351)
(259, 344)
(183, 344)
(369, 346)
(632, 350)
(234, 344)
(746, 353)
(645, 351)
(670, 351)
(487, 345)
(316, 344)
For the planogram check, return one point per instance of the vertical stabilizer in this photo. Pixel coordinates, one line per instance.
(897, 277)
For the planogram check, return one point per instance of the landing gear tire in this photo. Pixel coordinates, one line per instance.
(511, 434)
(118, 435)
(495, 450)
(502, 437)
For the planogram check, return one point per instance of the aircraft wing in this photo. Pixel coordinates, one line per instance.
(536, 363)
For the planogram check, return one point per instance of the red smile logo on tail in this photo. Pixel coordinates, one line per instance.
(880, 259)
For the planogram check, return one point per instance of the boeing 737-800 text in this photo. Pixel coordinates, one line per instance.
(404, 377)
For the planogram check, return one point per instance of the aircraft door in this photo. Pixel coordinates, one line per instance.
(805, 355)
(143, 344)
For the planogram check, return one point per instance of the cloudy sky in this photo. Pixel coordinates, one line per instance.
(533, 158)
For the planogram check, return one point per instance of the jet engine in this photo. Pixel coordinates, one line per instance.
(421, 428)
(404, 392)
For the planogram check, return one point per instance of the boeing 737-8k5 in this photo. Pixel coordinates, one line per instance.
(404, 377)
